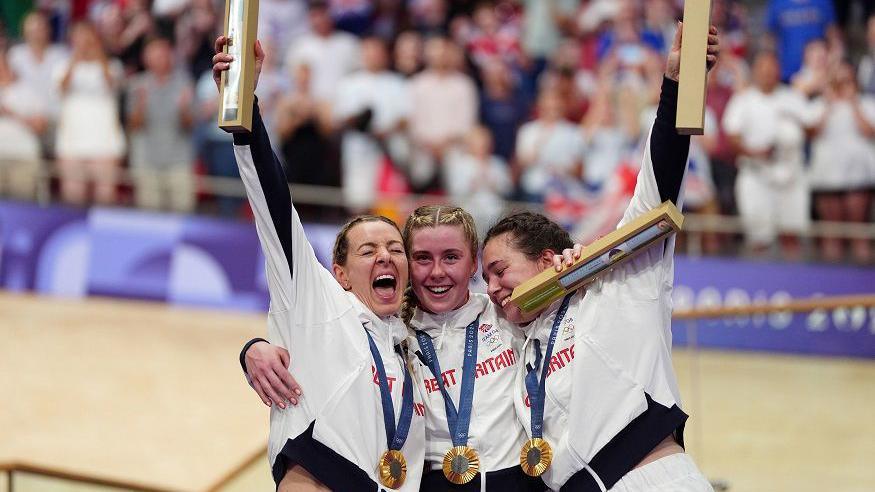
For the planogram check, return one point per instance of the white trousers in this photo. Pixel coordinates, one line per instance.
(675, 473)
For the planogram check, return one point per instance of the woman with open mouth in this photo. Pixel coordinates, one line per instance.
(361, 422)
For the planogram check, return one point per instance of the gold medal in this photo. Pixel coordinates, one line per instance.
(392, 469)
(461, 464)
(535, 457)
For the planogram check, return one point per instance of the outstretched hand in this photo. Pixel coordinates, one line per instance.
(267, 369)
(673, 64)
(222, 61)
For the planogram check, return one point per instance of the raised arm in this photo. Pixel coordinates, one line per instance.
(289, 256)
(665, 155)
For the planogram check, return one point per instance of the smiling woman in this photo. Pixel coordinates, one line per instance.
(342, 337)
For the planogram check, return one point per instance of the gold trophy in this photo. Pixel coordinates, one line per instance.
(694, 72)
(598, 258)
(237, 88)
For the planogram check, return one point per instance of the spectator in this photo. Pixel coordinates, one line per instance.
(866, 69)
(766, 126)
(273, 84)
(215, 147)
(281, 23)
(477, 180)
(562, 80)
(812, 78)
(352, 16)
(660, 20)
(490, 39)
(303, 126)
(160, 119)
(547, 148)
(372, 108)
(34, 63)
(843, 160)
(443, 109)
(90, 140)
(408, 54)
(124, 29)
(544, 23)
(19, 130)
(502, 107)
(195, 31)
(629, 39)
(794, 23)
(389, 19)
(610, 131)
(330, 54)
(429, 17)
(729, 76)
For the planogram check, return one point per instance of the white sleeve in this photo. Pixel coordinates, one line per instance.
(733, 116)
(347, 104)
(867, 107)
(295, 277)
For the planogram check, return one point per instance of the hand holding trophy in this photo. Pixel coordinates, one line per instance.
(236, 66)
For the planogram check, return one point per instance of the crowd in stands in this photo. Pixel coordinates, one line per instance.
(540, 101)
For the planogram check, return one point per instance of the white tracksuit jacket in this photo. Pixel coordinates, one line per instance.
(336, 431)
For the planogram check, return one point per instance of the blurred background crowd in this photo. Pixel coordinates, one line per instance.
(541, 103)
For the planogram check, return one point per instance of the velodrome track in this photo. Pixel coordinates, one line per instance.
(151, 397)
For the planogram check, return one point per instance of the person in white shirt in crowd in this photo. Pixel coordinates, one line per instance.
(34, 63)
(21, 122)
(273, 84)
(811, 80)
(443, 102)
(281, 23)
(866, 68)
(407, 54)
(842, 169)
(548, 148)
(371, 110)
(90, 141)
(160, 118)
(331, 54)
(477, 179)
(766, 124)
(544, 24)
(610, 131)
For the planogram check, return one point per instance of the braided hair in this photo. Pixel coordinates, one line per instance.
(433, 216)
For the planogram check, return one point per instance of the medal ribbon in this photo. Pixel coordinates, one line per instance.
(395, 436)
(457, 421)
(536, 388)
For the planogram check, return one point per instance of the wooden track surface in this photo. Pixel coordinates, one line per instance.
(774, 423)
(153, 395)
(136, 392)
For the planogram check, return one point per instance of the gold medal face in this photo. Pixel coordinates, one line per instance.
(461, 464)
(392, 469)
(535, 457)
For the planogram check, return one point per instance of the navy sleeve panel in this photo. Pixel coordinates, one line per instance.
(668, 149)
(272, 178)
